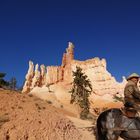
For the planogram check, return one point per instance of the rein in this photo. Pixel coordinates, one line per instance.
(123, 129)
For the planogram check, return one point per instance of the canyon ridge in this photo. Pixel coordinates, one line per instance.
(40, 80)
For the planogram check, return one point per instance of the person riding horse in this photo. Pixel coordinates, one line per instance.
(132, 93)
(114, 123)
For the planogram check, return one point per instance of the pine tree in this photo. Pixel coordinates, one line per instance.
(2, 75)
(3, 83)
(80, 92)
(13, 83)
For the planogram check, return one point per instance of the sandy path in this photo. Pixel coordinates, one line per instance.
(83, 127)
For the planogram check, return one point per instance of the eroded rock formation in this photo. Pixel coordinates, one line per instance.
(42, 75)
(96, 70)
(28, 78)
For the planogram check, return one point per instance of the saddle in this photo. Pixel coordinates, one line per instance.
(129, 112)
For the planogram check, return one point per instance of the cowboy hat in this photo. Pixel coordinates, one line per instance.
(133, 75)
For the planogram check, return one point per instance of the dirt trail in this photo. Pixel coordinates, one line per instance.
(84, 127)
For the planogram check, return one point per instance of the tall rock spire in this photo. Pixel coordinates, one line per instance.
(28, 78)
(68, 56)
(70, 53)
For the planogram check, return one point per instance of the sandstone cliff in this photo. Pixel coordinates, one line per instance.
(96, 70)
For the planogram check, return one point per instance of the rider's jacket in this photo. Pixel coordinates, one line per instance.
(131, 94)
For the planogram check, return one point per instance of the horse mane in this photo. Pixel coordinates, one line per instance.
(100, 131)
(113, 123)
(99, 134)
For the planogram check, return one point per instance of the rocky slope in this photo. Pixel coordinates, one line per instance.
(24, 117)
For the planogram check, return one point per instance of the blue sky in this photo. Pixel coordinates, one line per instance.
(40, 30)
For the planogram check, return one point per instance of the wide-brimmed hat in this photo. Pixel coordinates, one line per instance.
(133, 75)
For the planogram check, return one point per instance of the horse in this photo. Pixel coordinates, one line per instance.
(112, 124)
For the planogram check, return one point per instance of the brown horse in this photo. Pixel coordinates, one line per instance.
(112, 124)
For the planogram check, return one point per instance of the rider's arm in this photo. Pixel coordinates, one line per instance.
(129, 90)
(136, 93)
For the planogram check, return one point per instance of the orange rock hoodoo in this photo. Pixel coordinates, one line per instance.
(103, 82)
